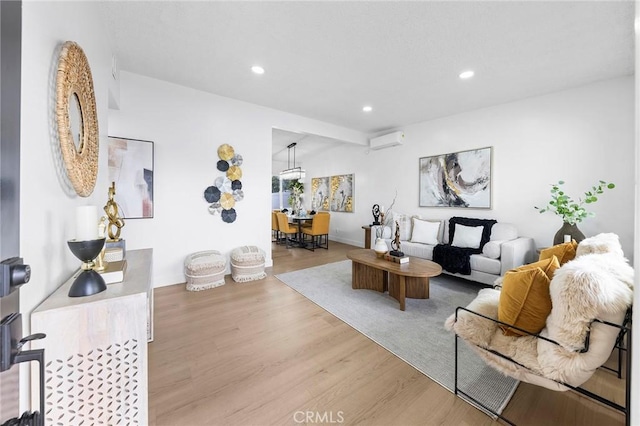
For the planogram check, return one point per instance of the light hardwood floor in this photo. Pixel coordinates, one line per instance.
(259, 353)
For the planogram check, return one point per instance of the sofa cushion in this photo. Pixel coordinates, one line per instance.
(492, 249)
(524, 301)
(467, 236)
(404, 223)
(564, 252)
(484, 264)
(425, 231)
(423, 251)
(503, 231)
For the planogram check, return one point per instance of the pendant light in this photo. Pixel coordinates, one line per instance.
(291, 173)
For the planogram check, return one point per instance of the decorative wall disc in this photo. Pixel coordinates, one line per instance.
(225, 152)
(227, 201)
(234, 173)
(236, 160)
(229, 215)
(215, 208)
(212, 194)
(222, 165)
(77, 118)
(236, 184)
(238, 195)
(223, 184)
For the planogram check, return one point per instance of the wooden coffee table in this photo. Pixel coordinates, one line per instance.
(401, 280)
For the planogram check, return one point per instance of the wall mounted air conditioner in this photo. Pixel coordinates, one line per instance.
(386, 141)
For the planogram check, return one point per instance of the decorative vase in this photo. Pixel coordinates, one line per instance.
(380, 247)
(88, 282)
(568, 229)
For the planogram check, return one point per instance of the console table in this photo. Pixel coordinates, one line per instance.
(367, 236)
(96, 349)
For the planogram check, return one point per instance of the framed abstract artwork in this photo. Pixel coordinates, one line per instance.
(342, 193)
(320, 193)
(131, 168)
(457, 179)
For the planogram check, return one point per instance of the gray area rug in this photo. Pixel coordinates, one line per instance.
(416, 335)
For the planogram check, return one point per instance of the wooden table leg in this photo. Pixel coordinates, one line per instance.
(402, 285)
(415, 287)
(366, 277)
(398, 288)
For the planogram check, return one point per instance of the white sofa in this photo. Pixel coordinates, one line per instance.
(505, 250)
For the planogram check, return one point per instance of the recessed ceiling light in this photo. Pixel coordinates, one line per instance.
(367, 108)
(466, 74)
(257, 69)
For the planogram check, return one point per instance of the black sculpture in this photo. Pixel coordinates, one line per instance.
(395, 244)
(376, 214)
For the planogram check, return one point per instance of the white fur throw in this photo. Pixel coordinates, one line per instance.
(598, 283)
(601, 243)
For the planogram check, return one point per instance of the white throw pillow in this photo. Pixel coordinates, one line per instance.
(404, 223)
(425, 232)
(467, 236)
(492, 249)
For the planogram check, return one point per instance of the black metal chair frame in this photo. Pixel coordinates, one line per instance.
(625, 329)
(316, 241)
(288, 241)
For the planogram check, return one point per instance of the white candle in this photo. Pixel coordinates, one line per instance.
(567, 238)
(86, 223)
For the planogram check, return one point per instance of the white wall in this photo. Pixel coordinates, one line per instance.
(47, 208)
(580, 136)
(187, 126)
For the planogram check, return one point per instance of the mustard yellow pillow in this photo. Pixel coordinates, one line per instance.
(548, 265)
(524, 301)
(564, 252)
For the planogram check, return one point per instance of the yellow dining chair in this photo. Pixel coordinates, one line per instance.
(275, 229)
(319, 231)
(286, 228)
(308, 223)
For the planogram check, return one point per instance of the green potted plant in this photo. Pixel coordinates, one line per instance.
(295, 199)
(571, 211)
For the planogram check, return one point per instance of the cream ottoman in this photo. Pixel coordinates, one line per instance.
(247, 264)
(204, 269)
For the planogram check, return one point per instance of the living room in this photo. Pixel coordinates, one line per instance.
(579, 133)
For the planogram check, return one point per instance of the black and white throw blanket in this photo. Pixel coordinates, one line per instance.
(458, 259)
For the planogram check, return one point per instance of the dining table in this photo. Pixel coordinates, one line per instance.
(298, 219)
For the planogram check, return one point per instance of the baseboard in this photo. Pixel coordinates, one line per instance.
(357, 243)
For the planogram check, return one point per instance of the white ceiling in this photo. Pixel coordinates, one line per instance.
(307, 145)
(325, 60)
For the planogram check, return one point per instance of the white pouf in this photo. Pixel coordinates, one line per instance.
(247, 264)
(204, 269)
